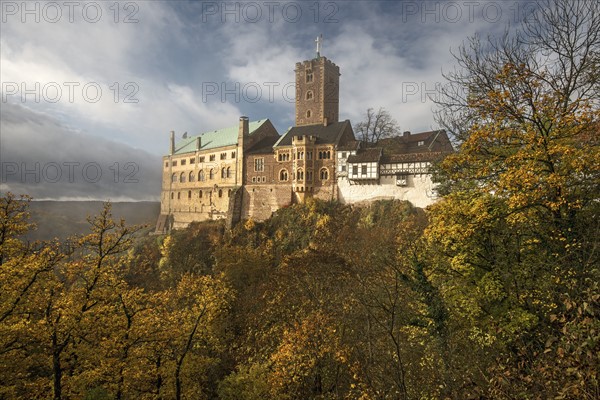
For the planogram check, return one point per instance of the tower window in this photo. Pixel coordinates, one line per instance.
(309, 95)
(309, 75)
(308, 114)
(324, 174)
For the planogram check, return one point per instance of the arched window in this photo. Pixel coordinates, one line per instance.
(228, 172)
(309, 95)
(201, 176)
(324, 174)
(308, 114)
(211, 174)
(220, 192)
(200, 194)
(191, 176)
(178, 195)
(300, 174)
(182, 177)
(328, 155)
(283, 175)
(223, 171)
(174, 178)
(172, 195)
(189, 194)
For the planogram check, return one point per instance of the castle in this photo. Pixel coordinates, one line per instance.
(249, 171)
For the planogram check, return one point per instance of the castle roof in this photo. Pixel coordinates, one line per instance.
(330, 134)
(417, 143)
(264, 146)
(215, 139)
(366, 155)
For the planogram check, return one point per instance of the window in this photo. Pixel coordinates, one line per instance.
(201, 176)
(343, 154)
(355, 170)
(182, 162)
(211, 174)
(309, 176)
(324, 174)
(167, 164)
(300, 174)
(324, 155)
(172, 195)
(233, 154)
(189, 194)
(309, 95)
(309, 155)
(283, 175)
(174, 178)
(308, 114)
(201, 159)
(363, 169)
(223, 173)
(309, 75)
(420, 143)
(174, 163)
(220, 193)
(343, 168)
(259, 164)
(223, 156)
(193, 160)
(212, 157)
(284, 157)
(200, 194)
(228, 175)
(178, 195)
(191, 176)
(300, 155)
(253, 179)
(182, 177)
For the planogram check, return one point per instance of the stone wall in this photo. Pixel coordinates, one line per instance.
(261, 201)
(419, 190)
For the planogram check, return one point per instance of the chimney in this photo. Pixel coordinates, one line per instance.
(198, 143)
(243, 131)
(406, 134)
(172, 142)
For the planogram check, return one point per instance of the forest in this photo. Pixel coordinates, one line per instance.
(490, 293)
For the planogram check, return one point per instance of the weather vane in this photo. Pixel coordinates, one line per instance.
(319, 41)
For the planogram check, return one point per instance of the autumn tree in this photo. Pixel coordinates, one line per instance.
(376, 125)
(516, 231)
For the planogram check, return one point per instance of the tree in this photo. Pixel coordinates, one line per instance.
(513, 232)
(376, 126)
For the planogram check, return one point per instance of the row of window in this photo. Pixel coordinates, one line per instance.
(191, 176)
(284, 176)
(201, 159)
(189, 194)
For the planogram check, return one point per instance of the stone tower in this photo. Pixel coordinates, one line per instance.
(317, 91)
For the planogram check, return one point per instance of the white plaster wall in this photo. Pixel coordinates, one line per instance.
(419, 190)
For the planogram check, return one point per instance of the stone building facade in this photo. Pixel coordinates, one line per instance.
(250, 171)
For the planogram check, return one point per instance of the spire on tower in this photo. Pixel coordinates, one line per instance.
(319, 41)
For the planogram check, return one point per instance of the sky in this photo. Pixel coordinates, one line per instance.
(91, 89)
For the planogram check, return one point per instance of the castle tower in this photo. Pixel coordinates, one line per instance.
(317, 90)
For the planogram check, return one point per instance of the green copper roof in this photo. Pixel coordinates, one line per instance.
(214, 139)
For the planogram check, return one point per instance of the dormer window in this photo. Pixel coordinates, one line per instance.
(421, 143)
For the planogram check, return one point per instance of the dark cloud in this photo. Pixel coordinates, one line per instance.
(41, 157)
